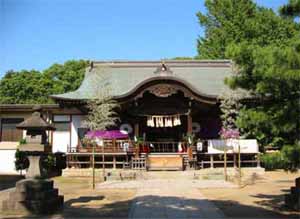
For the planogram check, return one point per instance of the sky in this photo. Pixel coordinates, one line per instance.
(34, 34)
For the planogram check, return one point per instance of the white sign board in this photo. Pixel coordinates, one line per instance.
(247, 146)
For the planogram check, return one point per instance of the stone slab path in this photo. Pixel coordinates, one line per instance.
(174, 198)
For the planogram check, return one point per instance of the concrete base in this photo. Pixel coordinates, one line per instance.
(33, 196)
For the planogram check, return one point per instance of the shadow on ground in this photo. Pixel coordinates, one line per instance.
(9, 181)
(82, 207)
(273, 201)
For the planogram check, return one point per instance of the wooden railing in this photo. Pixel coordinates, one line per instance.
(110, 146)
(121, 146)
(162, 147)
(166, 147)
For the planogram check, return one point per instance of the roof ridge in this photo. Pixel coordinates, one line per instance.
(163, 60)
(154, 63)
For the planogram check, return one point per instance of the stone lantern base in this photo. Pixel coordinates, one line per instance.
(34, 196)
(292, 200)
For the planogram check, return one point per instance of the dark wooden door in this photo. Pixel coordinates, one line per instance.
(9, 132)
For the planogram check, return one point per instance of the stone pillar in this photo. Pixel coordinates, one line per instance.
(258, 161)
(34, 169)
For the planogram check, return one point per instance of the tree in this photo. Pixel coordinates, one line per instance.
(292, 9)
(230, 107)
(30, 87)
(25, 87)
(66, 77)
(265, 50)
(102, 107)
(272, 74)
(235, 21)
(102, 113)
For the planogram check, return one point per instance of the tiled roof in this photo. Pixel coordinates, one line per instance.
(205, 77)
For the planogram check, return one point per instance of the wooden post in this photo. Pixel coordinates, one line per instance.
(114, 162)
(114, 145)
(136, 129)
(234, 160)
(189, 124)
(239, 165)
(93, 166)
(136, 133)
(225, 163)
(103, 163)
(211, 161)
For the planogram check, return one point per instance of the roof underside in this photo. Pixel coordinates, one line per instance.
(205, 77)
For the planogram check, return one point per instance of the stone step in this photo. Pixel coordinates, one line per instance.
(32, 185)
(46, 206)
(295, 191)
(292, 202)
(22, 196)
(297, 182)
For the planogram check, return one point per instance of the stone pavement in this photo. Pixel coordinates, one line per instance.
(173, 198)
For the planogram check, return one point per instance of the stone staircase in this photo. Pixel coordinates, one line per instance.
(33, 196)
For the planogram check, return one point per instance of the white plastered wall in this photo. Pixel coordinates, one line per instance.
(61, 139)
(76, 123)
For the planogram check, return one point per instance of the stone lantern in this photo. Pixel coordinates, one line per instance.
(36, 141)
(34, 194)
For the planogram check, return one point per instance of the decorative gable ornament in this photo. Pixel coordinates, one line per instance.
(163, 90)
(163, 70)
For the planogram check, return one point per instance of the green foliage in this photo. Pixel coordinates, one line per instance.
(23, 141)
(66, 77)
(189, 139)
(21, 160)
(272, 74)
(102, 113)
(24, 87)
(235, 21)
(183, 58)
(291, 156)
(30, 87)
(230, 107)
(272, 161)
(287, 158)
(292, 9)
(49, 163)
(266, 50)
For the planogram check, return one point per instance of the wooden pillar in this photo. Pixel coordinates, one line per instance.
(211, 161)
(136, 129)
(234, 160)
(114, 145)
(114, 162)
(189, 124)
(91, 160)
